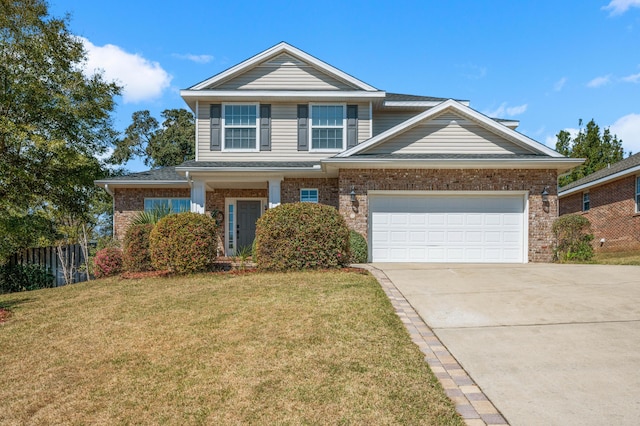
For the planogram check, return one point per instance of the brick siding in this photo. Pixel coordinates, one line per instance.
(327, 190)
(612, 214)
(540, 217)
(336, 192)
(129, 201)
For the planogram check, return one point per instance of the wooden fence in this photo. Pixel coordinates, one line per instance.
(49, 258)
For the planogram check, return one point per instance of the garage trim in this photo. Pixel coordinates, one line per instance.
(387, 193)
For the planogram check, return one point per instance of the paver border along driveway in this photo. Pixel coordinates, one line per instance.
(548, 344)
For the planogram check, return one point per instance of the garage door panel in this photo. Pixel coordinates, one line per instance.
(447, 228)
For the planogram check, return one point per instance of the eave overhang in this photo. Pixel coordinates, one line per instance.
(191, 96)
(601, 181)
(559, 164)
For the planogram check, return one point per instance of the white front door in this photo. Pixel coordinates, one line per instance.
(486, 228)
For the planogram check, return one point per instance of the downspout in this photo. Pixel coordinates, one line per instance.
(189, 180)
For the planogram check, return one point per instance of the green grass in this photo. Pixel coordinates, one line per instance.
(618, 258)
(297, 348)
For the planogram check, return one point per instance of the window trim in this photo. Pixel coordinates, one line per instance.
(310, 189)
(344, 126)
(638, 194)
(169, 199)
(223, 127)
(586, 201)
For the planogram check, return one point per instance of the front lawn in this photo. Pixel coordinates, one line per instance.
(618, 258)
(296, 348)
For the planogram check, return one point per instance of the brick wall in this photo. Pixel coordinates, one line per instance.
(540, 217)
(612, 214)
(327, 190)
(129, 201)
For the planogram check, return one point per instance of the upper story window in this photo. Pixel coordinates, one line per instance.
(586, 202)
(309, 195)
(175, 205)
(638, 194)
(240, 123)
(327, 127)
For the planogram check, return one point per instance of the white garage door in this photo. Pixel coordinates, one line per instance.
(444, 228)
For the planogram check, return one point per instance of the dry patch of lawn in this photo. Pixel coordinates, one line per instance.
(297, 348)
(619, 258)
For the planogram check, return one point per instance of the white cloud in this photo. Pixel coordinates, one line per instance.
(599, 81)
(142, 79)
(200, 59)
(560, 84)
(473, 71)
(633, 78)
(627, 129)
(618, 7)
(504, 111)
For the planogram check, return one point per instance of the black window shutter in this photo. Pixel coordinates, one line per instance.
(215, 114)
(303, 127)
(265, 127)
(352, 126)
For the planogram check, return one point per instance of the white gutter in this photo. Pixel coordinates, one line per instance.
(453, 163)
(268, 94)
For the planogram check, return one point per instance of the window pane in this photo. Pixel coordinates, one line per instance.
(326, 138)
(179, 205)
(309, 195)
(230, 220)
(327, 115)
(240, 115)
(240, 138)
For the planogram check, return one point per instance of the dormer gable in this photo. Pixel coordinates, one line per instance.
(450, 128)
(283, 67)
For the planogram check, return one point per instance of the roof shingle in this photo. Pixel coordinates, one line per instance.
(620, 166)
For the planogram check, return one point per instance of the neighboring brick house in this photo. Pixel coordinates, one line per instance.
(610, 199)
(424, 179)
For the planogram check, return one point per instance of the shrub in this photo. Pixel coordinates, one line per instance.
(24, 278)
(107, 262)
(136, 256)
(152, 216)
(573, 240)
(184, 243)
(301, 236)
(358, 247)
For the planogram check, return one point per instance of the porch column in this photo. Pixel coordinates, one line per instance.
(274, 192)
(198, 196)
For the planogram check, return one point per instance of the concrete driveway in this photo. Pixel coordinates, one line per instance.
(548, 344)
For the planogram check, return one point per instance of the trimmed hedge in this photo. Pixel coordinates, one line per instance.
(184, 243)
(358, 247)
(27, 277)
(301, 236)
(136, 256)
(573, 240)
(107, 262)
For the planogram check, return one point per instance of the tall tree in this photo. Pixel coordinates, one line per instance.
(54, 121)
(598, 148)
(168, 144)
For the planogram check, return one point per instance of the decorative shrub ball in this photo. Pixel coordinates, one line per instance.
(184, 243)
(136, 255)
(107, 262)
(358, 247)
(301, 236)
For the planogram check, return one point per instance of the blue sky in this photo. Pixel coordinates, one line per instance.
(546, 63)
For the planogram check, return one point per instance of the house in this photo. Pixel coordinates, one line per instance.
(610, 199)
(424, 179)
